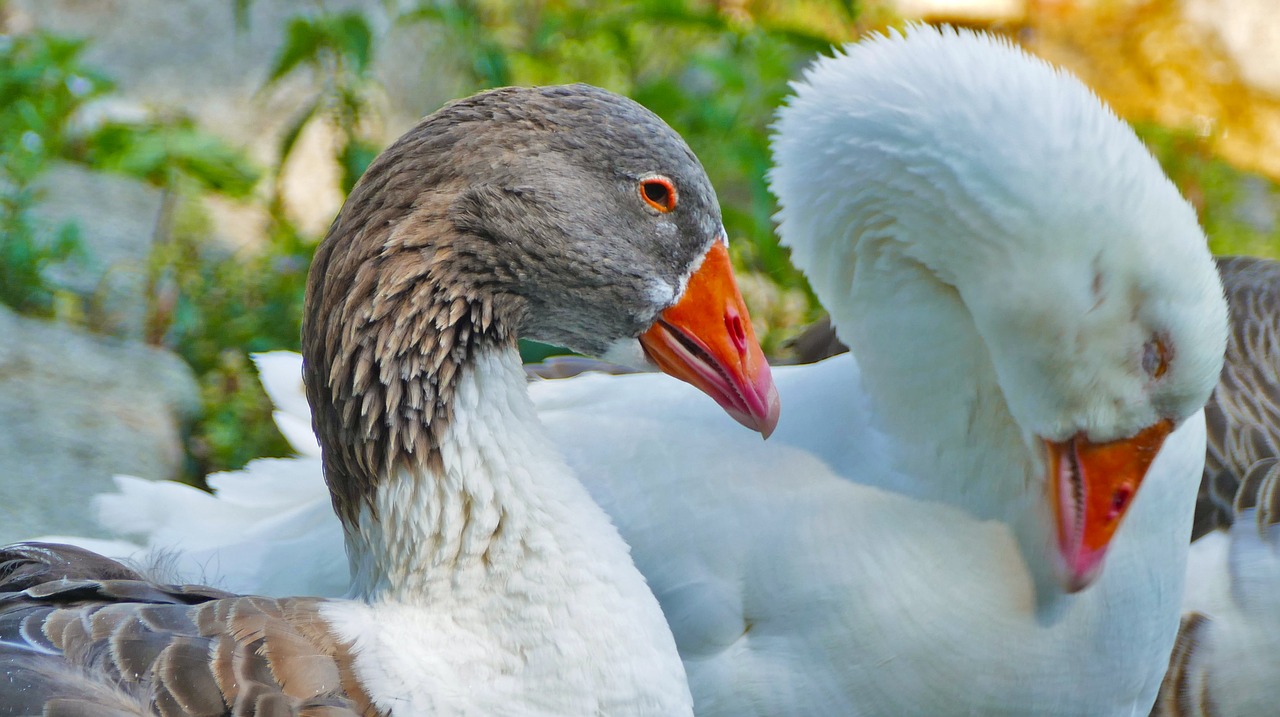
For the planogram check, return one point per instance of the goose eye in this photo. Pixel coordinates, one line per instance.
(659, 193)
(1155, 358)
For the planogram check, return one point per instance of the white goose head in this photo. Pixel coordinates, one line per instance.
(1007, 260)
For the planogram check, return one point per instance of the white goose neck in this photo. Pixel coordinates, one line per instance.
(934, 389)
(499, 502)
(495, 585)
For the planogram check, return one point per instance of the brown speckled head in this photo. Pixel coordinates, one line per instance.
(515, 212)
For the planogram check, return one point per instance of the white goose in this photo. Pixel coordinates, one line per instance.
(1031, 306)
(486, 581)
(1227, 655)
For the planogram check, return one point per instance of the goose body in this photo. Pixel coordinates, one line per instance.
(1024, 291)
(484, 580)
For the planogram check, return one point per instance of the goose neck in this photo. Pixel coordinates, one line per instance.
(464, 512)
(933, 387)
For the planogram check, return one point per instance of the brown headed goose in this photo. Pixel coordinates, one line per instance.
(486, 581)
(984, 509)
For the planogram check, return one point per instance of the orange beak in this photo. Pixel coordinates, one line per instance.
(1094, 484)
(706, 339)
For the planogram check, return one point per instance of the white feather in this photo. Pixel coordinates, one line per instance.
(996, 247)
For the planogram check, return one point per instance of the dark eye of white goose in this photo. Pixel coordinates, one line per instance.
(1155, 357)
(658, 192)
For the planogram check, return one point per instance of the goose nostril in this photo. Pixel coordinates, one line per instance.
(1119, 501)
(733, 323)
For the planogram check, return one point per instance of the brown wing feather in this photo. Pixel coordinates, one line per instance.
(1242, 462)
(1243, 416)
(1182, 694)
(84, 635)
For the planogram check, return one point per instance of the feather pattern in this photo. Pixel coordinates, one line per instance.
(898, 568)
(1243, 417)
(1231, 616)
(81, 634)
(1227, 654)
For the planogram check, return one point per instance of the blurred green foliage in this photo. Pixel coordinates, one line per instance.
(44, 90)
(719, 90)
(42, 83)
(167, 153)
(716, 71)
(339, 48)
(1236, 208)
(221, 307)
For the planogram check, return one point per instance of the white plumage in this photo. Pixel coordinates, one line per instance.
(998, 249)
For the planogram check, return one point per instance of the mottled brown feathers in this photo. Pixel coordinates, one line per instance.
(392, 313)
(1181, 694)
(390, 324)
(1243, 416)
(514, 210)
(1242, 463)
(116, 644)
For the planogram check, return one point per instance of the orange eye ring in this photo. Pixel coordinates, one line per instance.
(1155, 357)
(659, 193)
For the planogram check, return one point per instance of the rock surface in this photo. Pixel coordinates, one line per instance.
(76, 409)
(189, 58)
(117, 219)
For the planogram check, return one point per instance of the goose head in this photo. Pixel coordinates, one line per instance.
(968, 212)
(564, 214)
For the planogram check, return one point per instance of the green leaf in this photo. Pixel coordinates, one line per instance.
(303, 42)
(68, 243)
(160, 153)
(354, 39)
(491, 67)
(355, 157)
(537, 352)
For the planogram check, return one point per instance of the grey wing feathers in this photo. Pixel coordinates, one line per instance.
(554, 367)
(84, 635)
(1243, 416)
(1183, 692)
(817, 342)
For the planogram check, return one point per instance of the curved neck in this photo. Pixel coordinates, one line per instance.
(496, 503)
(934, 390)
(930, 379)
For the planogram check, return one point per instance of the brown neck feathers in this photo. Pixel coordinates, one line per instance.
(398, 304)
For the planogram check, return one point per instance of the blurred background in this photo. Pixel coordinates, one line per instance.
(167, 167)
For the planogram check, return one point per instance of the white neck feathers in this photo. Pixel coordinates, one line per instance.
(474, 572)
